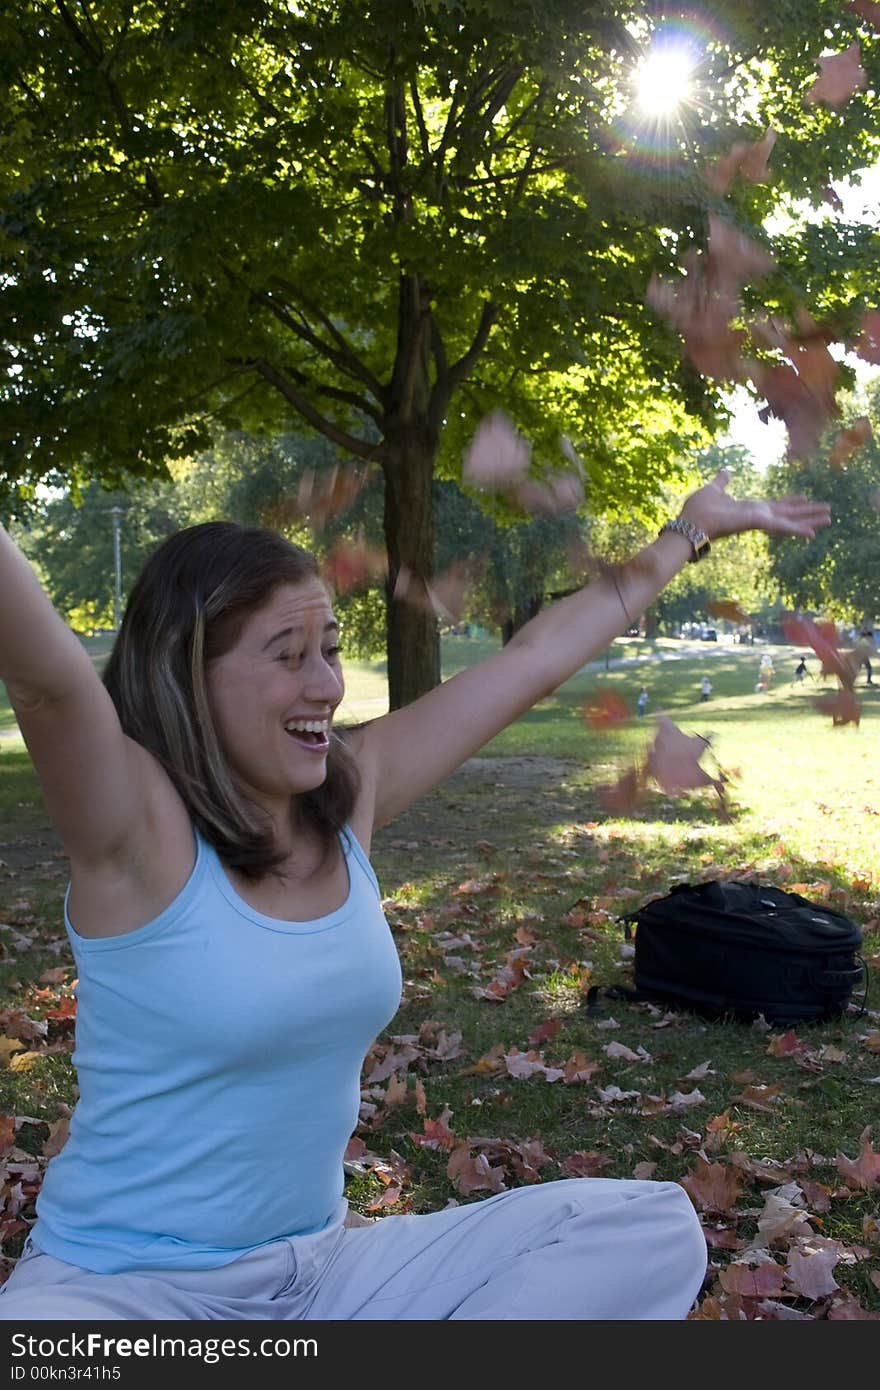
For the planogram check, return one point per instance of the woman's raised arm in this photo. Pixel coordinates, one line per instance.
(91, 775)
(407, 752)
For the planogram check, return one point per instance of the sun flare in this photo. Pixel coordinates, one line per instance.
(663, 82)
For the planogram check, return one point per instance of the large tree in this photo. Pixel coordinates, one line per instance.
(380, 219)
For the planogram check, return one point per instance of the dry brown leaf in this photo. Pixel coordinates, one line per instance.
(867, 344)
(497, 456)
(863, 1172)
(584, 1164)
(761, 1281)
(760, 1097)
(712, 1186)
(59, 1133)
(674, 759)
(842, 75)
(849, 440)
(868, 10)
(605, 709)
(809, 1270)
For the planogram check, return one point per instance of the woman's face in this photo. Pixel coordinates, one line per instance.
(274, 693)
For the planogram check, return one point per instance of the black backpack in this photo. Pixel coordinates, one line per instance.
(729, 949)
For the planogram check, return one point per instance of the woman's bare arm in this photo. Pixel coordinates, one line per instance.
(95, 781)
(407, 752)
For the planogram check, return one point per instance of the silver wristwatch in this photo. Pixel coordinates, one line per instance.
(698, 539)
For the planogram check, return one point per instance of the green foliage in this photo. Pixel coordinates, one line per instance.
(252, 212)
(837, 573)
(379, 221)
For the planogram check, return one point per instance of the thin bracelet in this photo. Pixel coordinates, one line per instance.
(629, 620)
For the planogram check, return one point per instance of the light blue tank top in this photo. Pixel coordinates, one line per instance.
(219, 1054)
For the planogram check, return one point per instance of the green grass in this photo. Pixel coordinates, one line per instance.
(517, 842)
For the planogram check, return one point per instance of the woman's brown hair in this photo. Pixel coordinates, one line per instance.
(187, 608)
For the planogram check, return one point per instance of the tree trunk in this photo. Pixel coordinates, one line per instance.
(413, 641)
(523, 613)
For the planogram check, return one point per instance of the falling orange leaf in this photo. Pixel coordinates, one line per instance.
(745, 157)
(867, 344)
(849, 440)
(842, 75)
(498, 456)
(843, 706)
(728, 608)
(868, 10)
(674, 759)
(624, 795)
(605, 709)
(353, 564)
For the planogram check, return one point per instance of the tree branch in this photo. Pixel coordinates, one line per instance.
(359, 368)
(420, 119)
(460, 369)
(346, 441)
(95, 55)
(345, 360)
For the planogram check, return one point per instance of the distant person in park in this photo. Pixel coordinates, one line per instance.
(800, 670)
(642, 701)
(765, 674)
(705, 688)
(865, 647)
(235, 964)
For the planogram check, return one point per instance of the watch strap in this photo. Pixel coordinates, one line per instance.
(680, 526)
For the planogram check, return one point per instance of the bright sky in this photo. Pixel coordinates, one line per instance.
(767, 442)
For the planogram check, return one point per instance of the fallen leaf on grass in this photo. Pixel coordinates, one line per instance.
(809, 1270)
(579, 1068)
(584, 1164)
(848, 1309)
(722, 1238)
(701, 1072)
(712, 1186)
(761, 1281)
(523, 1065)
(437, 1134)
(7, 1047)
(59, 1133)
(786, 1045)
(863, 1172)
(389, 1198)
(760, 1097)
(616, 1049)
(487, 1065)
(473, 1173)
(781, 1219)
(23, 1061)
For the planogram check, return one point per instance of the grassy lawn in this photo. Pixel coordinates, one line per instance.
(503, 890)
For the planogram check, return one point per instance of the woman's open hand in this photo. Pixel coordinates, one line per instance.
(718, 514)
